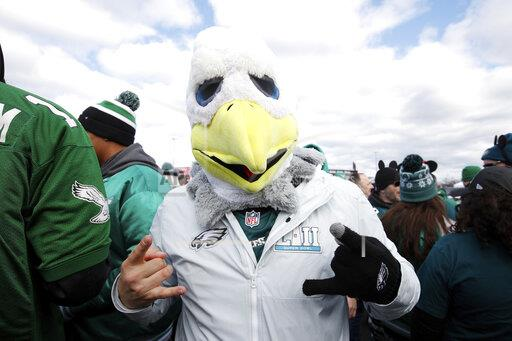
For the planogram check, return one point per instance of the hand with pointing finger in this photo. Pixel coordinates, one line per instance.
(142, 274)
(374, 278)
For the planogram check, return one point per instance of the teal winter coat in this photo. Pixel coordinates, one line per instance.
(135, 189)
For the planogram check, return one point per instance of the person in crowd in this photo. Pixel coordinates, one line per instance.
(183, 178)
(500, 154)
(170, 175)
(253, 237)
(355, 306)
(54, 217)
(135, 188)
(362, 181)
(167, 171)
(386, 192)
(468, 174)
(449, 202)
(419, 219)
(414, 225)
(466, 280)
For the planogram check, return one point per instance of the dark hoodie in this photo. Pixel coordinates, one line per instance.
(131, 155)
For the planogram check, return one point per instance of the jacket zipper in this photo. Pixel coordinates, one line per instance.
(254, 306)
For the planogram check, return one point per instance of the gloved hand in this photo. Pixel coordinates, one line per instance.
(373, 278)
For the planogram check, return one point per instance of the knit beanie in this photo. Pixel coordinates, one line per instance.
(416, 181)
(325, 165)
(501, 151)
(113, 120)
(469, 172)
(386, 176)
(167, 168)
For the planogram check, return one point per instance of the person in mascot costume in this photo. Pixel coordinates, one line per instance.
(261, 244)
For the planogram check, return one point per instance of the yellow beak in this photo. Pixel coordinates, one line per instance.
(243, 144)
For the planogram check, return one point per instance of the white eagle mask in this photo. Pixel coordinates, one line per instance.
(232, 55)
(242, 129)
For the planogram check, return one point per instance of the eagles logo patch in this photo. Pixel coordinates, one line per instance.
(91, 194)
(382, 277)
(208, 238)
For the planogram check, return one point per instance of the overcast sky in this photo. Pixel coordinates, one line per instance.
(372, 79)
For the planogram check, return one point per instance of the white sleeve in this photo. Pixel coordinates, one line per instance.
(409, 290)
(143, 316)
(159, 308)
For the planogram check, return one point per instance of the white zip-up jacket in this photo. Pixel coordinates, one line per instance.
(231, 296)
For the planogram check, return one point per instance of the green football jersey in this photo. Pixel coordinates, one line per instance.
(256, 224)
(54, 218)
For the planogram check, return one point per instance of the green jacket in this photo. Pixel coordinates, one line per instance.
(449, 203)
(135, 189)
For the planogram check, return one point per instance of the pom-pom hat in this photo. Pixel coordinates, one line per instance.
(416, 182)
(113, 119)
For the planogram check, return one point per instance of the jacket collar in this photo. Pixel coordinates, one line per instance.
(377, 202)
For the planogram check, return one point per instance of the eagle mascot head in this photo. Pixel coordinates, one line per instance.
(243, 132)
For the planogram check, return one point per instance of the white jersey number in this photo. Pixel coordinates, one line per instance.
(35, 100)
(5, 121)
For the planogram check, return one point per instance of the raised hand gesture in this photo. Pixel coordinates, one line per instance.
(142, 274)
(373, 275)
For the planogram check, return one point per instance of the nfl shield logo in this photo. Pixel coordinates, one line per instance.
(252, 218)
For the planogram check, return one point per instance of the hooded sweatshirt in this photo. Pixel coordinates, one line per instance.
(135, 189)
(131, 155)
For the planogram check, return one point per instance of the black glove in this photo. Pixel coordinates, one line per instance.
(373, 278)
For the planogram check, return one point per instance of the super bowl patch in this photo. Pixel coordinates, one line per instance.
(300, 239)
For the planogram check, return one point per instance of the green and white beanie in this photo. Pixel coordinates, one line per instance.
(113, 119)
(416, 182)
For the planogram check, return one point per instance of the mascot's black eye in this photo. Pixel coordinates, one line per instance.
(266, 85)
(207, 91)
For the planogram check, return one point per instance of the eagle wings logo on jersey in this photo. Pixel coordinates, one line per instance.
(208, 238)
(90, 193)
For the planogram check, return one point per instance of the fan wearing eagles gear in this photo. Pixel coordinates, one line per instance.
(135, 188)
(254, 236)
(54, 220)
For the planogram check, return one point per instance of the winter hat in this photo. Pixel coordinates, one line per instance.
(113, 120)
(325, 165)
(492, 178)
(416, 181)
(501, 151)
(469, 172)
(167, 168)
(386, 176)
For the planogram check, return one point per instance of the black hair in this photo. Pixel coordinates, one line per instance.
(2, 67)
(488, 213)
